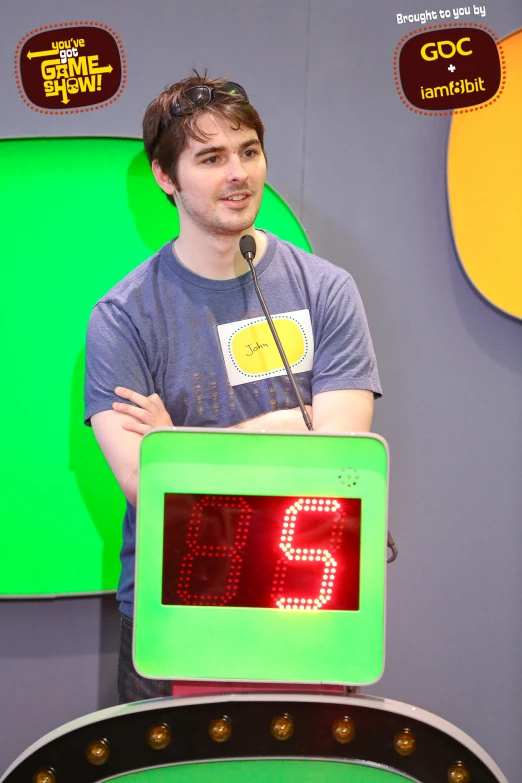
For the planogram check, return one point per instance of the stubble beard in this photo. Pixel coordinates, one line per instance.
(211, 224)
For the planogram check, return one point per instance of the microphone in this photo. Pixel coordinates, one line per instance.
(247, 246)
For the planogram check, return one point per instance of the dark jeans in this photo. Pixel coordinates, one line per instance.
(131, 685)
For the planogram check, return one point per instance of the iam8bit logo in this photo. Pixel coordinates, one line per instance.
(447, 70)
(70, 67)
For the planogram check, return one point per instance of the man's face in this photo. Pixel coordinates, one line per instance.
(230, 164)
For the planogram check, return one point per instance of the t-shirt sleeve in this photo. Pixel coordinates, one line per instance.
(114, 356)
(344, 357)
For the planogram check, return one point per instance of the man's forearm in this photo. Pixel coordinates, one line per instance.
(290, 420)
(342, 411)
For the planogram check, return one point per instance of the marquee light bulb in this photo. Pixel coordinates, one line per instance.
(404, 742)
(159, 737)
(98, 752)
(44, 776)
(343, 730)
(220, 730)
(458, 773)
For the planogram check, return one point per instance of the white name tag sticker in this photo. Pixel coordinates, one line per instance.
(250, 351)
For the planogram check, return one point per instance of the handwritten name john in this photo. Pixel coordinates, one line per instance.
(255, 347)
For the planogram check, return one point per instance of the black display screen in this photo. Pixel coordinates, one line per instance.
(293, 553)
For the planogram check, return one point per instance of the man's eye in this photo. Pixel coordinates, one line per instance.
(212, 159)
(250, 153)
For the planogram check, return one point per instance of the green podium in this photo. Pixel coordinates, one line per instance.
(261, 557)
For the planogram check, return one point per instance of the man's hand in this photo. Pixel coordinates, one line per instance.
(149, 414)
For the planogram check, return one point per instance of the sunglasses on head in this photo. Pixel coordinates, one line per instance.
(201, 95)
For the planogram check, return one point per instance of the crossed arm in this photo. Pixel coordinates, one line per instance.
(119, 431)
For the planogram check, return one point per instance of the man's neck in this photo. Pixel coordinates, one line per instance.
(216, 257)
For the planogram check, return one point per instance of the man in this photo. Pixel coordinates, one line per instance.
(155, 354)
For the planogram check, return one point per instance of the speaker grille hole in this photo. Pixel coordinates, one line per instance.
(349, 477)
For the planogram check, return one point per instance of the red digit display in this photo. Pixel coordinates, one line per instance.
(307, 555)
(229, 554)
(259, 551)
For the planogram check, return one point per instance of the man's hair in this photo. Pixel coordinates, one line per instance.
(165, 136)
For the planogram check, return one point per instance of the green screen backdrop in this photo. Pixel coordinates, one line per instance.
(78, 214)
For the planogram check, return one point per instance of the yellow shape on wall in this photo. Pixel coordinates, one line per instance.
(485, 189)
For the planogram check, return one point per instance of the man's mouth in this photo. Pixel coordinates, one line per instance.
(237, 197)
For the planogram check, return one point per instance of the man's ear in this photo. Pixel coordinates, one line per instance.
(163, 180)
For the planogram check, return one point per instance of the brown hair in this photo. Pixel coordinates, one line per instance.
(165, 136)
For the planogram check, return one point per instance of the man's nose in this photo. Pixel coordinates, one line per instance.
(236, 169)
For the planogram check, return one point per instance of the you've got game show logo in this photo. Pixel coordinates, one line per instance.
(72, 67)
(446, 70)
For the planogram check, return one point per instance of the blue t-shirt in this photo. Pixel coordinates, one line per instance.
(156, 331)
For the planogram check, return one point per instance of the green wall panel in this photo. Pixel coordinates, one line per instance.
(78, 214)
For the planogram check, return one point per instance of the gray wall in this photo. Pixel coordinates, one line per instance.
(367, 179)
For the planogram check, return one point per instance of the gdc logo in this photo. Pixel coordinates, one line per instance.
(447, 49)
(447, 69)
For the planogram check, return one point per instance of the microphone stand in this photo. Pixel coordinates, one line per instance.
(247, 246)
(250, 259)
